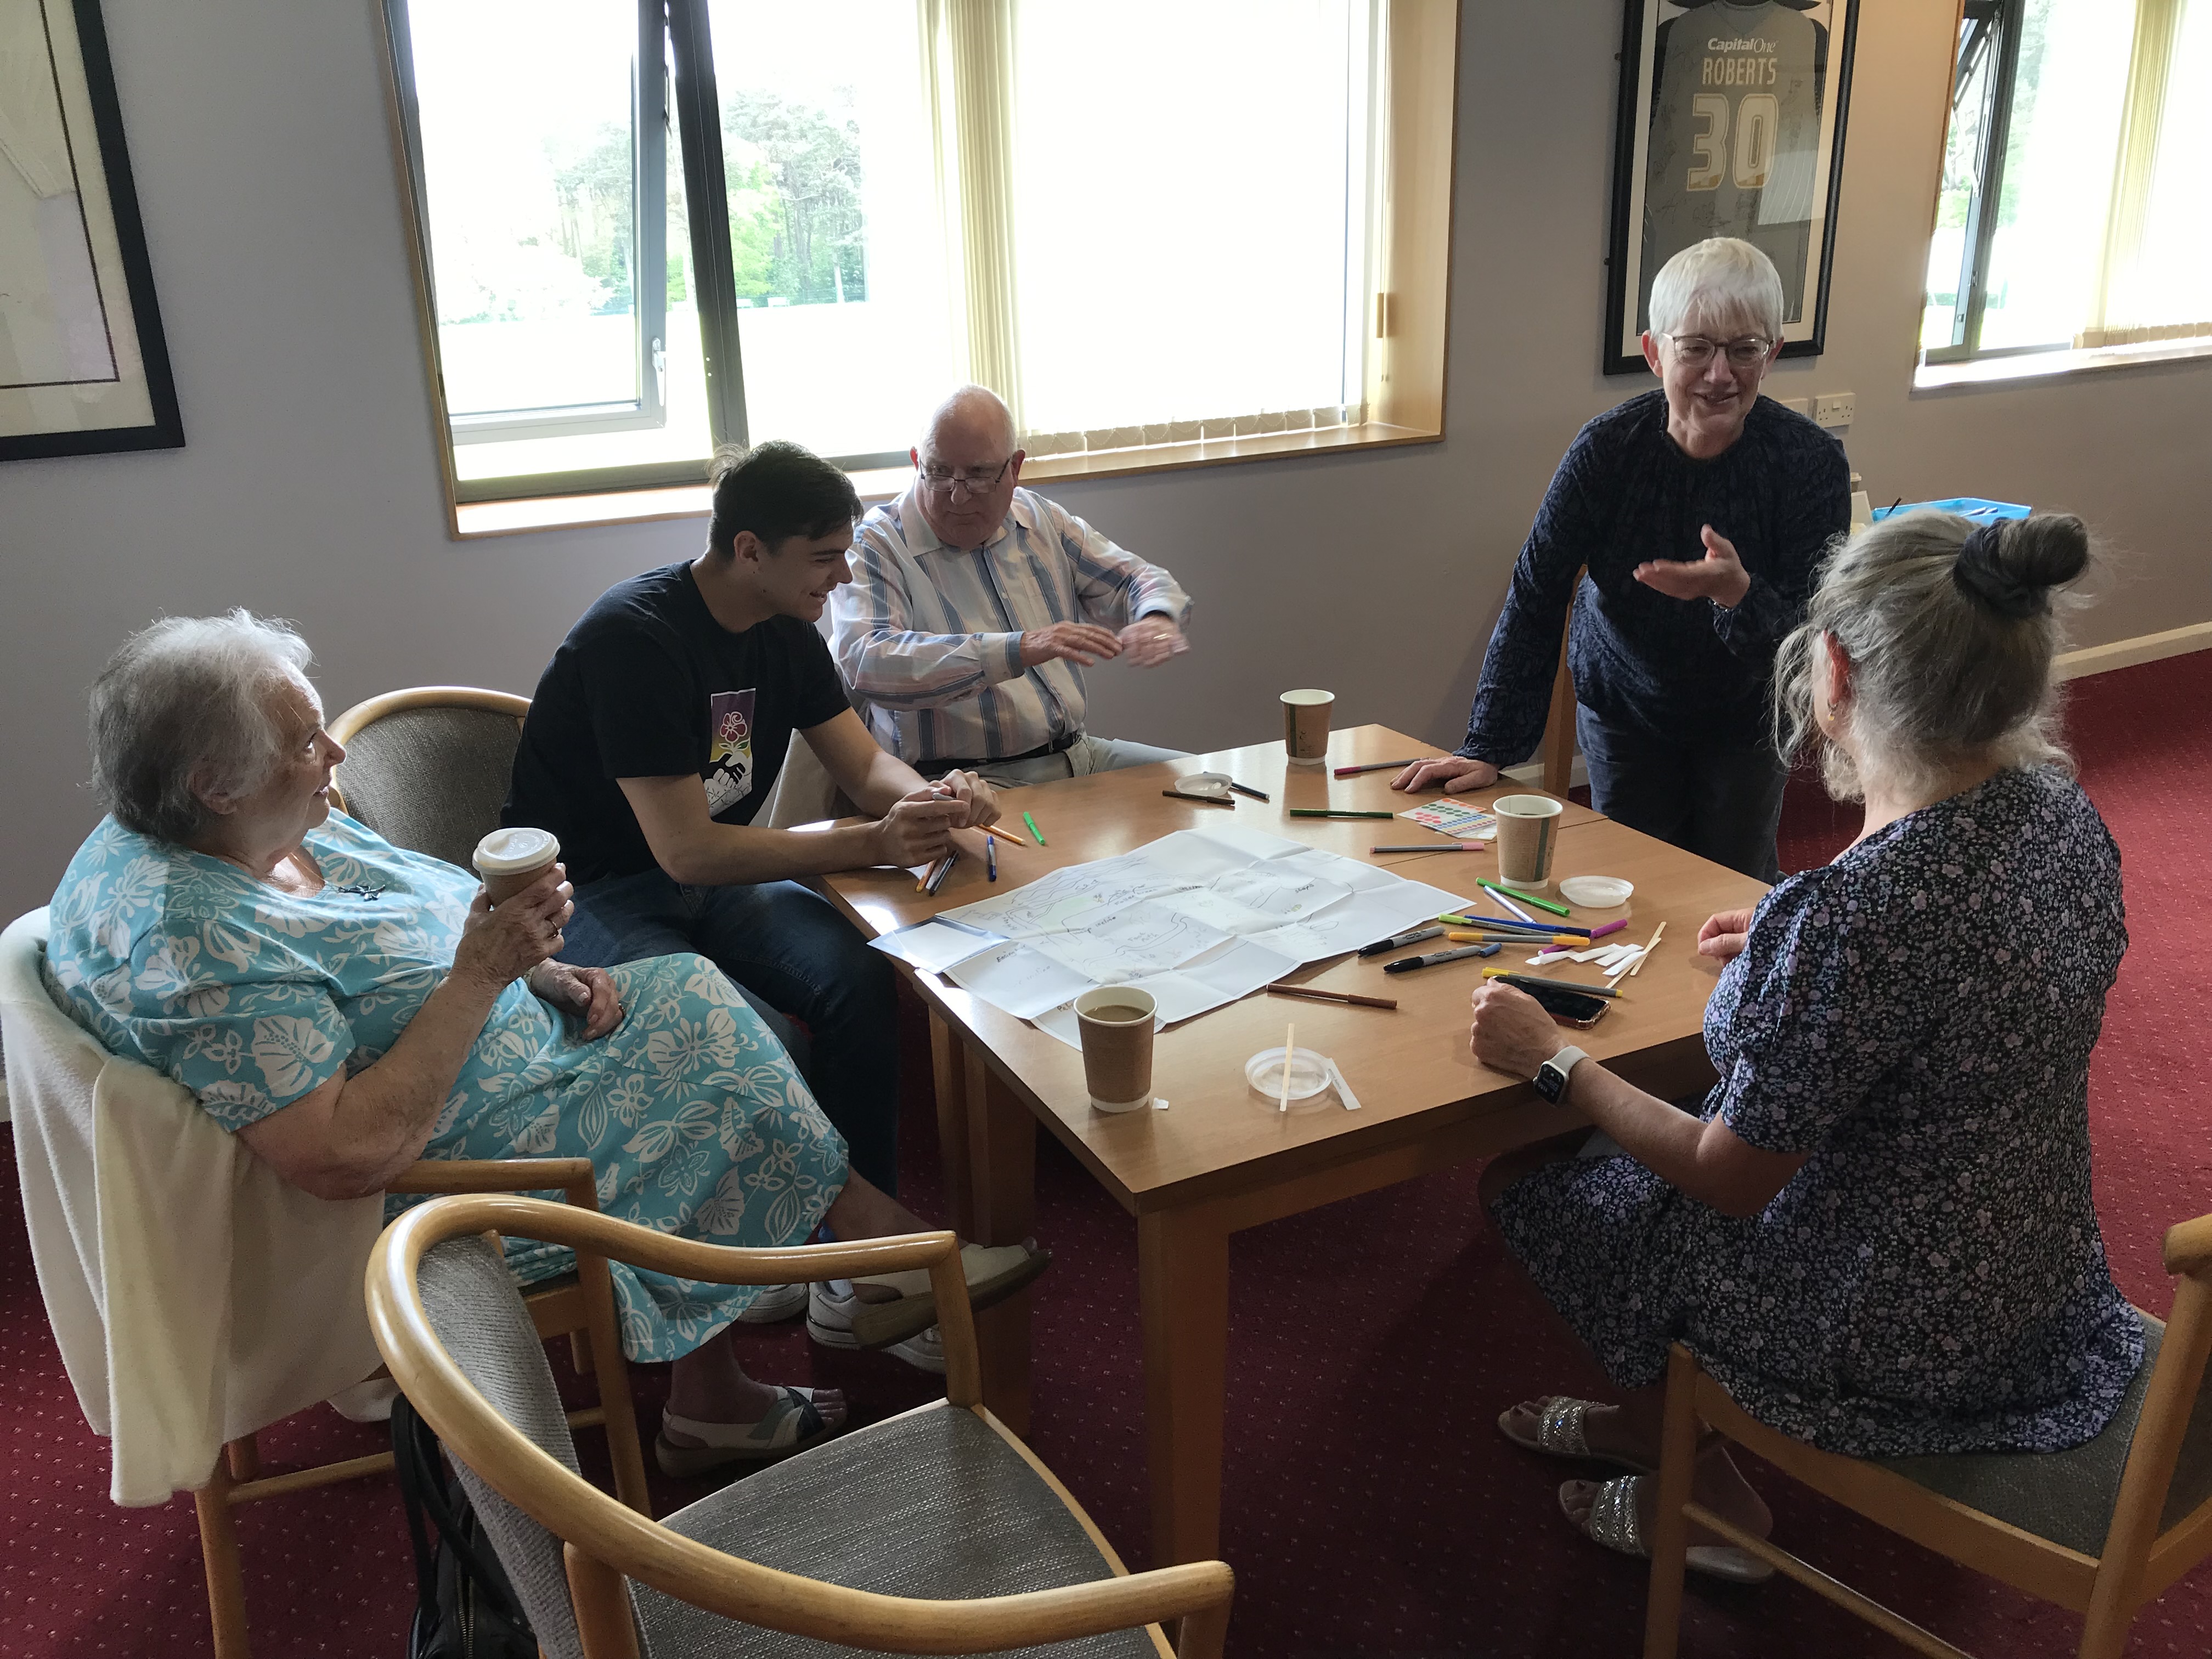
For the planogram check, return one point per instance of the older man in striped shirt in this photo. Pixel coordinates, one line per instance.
(975, 605)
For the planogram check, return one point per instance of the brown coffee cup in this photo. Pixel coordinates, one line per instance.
(1117, 1024)
(508, 860)
(1305, 725)
(1528, 835)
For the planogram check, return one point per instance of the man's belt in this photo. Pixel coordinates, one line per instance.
(938, 769)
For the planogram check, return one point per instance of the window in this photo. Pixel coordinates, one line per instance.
(1163, 231)
(2076, 179)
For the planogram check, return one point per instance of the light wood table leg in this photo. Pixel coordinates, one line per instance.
(948, 1058)
(1183, 1268)
(1002, 1176)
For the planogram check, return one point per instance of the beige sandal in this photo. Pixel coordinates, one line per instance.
(994, 1274)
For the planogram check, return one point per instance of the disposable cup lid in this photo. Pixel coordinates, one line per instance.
(505, 851)
(1309, 1073)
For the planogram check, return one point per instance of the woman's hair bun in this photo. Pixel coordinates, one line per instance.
(2010, 566)
(2046, 550)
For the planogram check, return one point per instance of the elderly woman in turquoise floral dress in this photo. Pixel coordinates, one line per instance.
(346, 1007)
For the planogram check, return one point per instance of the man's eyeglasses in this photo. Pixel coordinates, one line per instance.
(975, 480)
(1696, 351)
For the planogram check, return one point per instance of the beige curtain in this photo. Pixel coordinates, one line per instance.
(968, 54)
(2124, 310)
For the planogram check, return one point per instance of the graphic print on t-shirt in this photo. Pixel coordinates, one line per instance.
(729, 750)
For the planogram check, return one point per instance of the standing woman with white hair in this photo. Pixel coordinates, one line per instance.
(1698, 513)
(1877, 1232)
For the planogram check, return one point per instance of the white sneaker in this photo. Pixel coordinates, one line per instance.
(775, 1304)
(829, 1310)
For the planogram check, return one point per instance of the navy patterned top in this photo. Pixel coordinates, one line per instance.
(1917, 1018)
(1626, 493)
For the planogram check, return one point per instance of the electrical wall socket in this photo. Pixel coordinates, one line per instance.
(1796, 406)
(1835, 408)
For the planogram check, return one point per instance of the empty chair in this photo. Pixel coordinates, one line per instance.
(427, 768)
(937, 1531)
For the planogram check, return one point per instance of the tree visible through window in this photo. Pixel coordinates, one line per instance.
(796, 233)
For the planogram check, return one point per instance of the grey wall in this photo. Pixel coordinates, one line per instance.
(310, 488)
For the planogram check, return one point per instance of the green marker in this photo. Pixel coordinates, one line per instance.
(1526, 898)
(1038, 835)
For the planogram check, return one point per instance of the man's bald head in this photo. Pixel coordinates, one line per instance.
(974, 415)
(970, 439)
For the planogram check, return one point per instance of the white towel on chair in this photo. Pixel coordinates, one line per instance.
(196, 1296)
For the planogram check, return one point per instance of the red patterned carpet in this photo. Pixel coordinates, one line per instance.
(1372, 1509)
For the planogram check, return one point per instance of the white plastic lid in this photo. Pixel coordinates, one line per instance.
(1204, 783)
(1595, 892)
(506, 852)
(1308, 1074)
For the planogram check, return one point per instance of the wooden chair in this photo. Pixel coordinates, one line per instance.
(578, 1304)
(942, 1530)
(427, 768)
(2099, 1529)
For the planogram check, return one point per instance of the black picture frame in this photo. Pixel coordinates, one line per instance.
(1637, 247)
(132, 406)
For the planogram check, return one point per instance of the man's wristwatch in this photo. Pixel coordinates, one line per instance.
(1551, 1078)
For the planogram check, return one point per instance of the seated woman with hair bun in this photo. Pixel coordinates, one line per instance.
(345, 1007)
(1877, 1234)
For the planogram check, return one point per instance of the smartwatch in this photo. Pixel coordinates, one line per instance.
(1551, 1078)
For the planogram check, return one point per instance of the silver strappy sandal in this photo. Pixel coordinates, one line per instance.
(1613, 1522)
(1559, 1433)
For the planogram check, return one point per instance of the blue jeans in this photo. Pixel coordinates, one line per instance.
(1722, 803)
(785, 947)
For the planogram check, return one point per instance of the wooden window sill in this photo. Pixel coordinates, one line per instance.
(521, 516)
(2052, 365)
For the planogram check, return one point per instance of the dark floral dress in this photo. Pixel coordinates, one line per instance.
(1917, 1017)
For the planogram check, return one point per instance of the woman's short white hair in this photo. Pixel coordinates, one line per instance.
(1717, 283)
(183, 711)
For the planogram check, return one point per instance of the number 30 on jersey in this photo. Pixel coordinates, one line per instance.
(1758, 118)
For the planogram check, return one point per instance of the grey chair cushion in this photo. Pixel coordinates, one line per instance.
(431, 780)
(933, 1504)
(2068, 1497)
(478, 1313)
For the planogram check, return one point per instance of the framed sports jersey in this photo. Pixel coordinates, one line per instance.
(1730, 124)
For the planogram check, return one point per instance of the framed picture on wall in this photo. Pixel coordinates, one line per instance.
(1730, 124)
(83, 365)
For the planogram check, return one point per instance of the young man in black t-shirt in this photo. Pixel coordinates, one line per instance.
(658, 731)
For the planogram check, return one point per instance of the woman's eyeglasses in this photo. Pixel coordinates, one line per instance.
(1696, 351)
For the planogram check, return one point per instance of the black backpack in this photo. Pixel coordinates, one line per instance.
(465, 1606)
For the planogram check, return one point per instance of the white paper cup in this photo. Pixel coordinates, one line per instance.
(1115, 1025)
(508, 860)
(1305, 726)
(1528, 835)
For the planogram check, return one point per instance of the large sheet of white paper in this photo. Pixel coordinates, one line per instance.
(1198, 917)
(936, 945)
(1021, 981)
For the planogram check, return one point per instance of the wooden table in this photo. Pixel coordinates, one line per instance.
(1220, 1158)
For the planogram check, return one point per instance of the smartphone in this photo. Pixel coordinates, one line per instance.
(1573, 1008)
